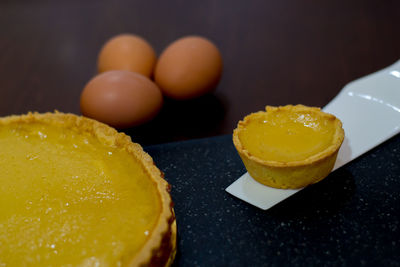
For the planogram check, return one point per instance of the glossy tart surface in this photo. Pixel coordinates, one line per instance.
(75, 192)
(290, 146)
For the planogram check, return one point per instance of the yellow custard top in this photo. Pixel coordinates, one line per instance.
(287, 135)
(66, 197)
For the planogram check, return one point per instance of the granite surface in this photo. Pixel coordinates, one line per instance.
(351, 218)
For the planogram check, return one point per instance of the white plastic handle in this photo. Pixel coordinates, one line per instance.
(370, 111)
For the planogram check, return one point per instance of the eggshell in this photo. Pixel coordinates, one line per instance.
(189, 67)
(121, 98)
(127, 52)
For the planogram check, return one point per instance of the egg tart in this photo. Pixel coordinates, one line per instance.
(75, 192)
(289, 146)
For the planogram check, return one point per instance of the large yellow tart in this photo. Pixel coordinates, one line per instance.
(289, 146)
(75, 192)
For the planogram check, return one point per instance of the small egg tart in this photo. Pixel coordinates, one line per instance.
(289, 146)
(75, 192)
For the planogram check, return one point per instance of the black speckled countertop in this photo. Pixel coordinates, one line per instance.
(351, 218)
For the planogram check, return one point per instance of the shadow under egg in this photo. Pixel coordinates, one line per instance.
(181, 120)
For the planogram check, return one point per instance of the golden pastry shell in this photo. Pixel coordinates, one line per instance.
(291, 174)
(160, 248)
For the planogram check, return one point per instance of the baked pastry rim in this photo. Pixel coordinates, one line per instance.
(161, 244)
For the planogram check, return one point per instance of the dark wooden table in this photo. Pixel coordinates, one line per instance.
(274, 52)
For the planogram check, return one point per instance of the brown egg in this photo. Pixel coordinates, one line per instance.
(127, 52)
(189, 67)
(121, 98)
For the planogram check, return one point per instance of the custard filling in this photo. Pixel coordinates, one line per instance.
(66, 197)
(286, 136)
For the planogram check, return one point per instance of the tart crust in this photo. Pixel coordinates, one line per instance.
(291, 174)
(160, 248)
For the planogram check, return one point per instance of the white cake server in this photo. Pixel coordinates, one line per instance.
(369, 109)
